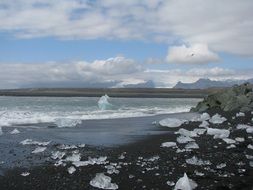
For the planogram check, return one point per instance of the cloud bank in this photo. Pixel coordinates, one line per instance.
(113, 72)
(223, 25)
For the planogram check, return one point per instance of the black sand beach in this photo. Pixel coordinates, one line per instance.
(143, 164)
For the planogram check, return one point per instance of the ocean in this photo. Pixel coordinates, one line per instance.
(71, 111)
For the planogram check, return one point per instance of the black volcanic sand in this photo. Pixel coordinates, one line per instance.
(138, 172)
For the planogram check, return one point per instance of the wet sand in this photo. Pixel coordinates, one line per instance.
(145, 164)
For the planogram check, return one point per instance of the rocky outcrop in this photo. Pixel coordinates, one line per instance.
(239, 97)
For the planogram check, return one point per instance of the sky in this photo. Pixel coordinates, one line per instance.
(112, 43)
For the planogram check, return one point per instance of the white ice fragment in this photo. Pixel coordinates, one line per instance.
(204, 124)
(57, 155)
(169, 144)
(31, 142)
(250, 146)
(183, 139)
(199, 173)
(111, 169)
(243, 126)
(218, 133)
(103, 182)
(249, 157)
(192, 145)
(240, 114)
(90, 161)
(239, 139)
(196, 161)
(25, 174)
(170, 183)
(184, 183)
(39, 149)
(152, 159)
(81, 145)
(231, 146)
(249, 130)
(229, 141)
(204, 117)
(71, 170)
(66, 147)
(199, 131)
(172, 122)
(73, 158)
(67, 122)
(15, 131)
(222, 165)
(103, 103)
(217, 119)
(187, 133)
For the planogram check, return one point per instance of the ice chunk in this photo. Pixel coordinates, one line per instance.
(183, 139)
(39, 149)
(66, 147)
(103, 182)
(169, 144)
(15, 131)
(57, 155)
(187, 133)
(170, 183)
(251, 163)
(184, 183)
(229, 141)
(74, 157)
(217, 119)
(204, 124)
(196, 161)
(90, 161)
(199, 131)
(111, 169)
(222, 165)
(231, 146)
(250, 146)
(192, 145)
(103, 103)
(239, 139)
(249, 130)
(25, 174)
(31, 142)
(240, 114)
(71, 170)
(218, 133)
(199, 173)
(81, 145)
(243, 126)
(67, 122)
(172, 122)
(204, 117)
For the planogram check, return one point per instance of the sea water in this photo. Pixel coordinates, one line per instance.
(71, 111)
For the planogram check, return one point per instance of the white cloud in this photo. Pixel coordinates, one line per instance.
(112, 72)
(224, 25)
(194, 54)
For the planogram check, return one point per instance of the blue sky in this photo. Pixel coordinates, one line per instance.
(133, 41)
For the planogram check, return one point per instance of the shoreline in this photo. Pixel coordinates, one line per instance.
(148, 166)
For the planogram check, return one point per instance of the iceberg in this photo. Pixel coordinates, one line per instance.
(172, 122)
(184, 183)
(103, 103)
(169, 144)
(218, 133)
(15, 131)
(39, 149)
(102, 181)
